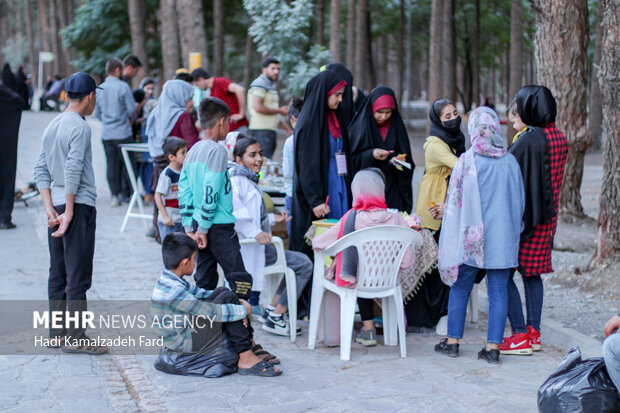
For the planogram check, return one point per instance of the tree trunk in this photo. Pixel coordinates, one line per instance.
(334, 34)
(61, 10)
(609, 219)
(247, 71)
(475, 85)
(137, 23)
(57, 64)
(447, 50)
(561, 63)
(192, 30)
(218, 37)
(594, 99)
(363, 62)
(515, 56)
(32, 61)
(169, 32)
(321, 22)
(434, 71)
(351, 35)
(401, 52)
(44, 35)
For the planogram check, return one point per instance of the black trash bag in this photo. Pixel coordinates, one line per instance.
(216, 358)
(578, 385)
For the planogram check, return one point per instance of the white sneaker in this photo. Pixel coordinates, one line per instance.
(278, 324)
(115, 201)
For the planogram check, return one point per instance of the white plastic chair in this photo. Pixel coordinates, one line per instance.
(276, 269)
(380, 252)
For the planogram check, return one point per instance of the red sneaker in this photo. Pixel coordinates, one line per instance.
(534, 338)
(517, 344)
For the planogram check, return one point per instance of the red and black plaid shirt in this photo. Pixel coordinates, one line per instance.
(220, 91)
(535, 252)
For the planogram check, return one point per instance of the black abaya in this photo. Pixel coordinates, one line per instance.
(312, 154)
(364, 137)
(10, 116)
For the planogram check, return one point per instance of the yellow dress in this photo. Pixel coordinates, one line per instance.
(439, 161)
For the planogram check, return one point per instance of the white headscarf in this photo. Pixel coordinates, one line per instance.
(162, 119)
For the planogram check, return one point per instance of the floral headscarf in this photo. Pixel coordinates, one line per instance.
(462, 228)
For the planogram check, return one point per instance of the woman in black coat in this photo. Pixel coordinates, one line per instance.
(377, 134)
(322, 164)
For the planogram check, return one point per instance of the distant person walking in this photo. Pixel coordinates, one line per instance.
(116, 108)
(264, 107)
(131, 66)
(11, 106)
(231, 93)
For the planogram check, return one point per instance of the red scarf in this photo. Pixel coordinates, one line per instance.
(366, 203)
(332, 119)
(384, 102)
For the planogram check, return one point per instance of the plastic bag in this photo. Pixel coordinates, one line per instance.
(578, 385)
(214, 359)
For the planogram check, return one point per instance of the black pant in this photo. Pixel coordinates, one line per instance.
(118, 179)
(240, 337)
(222, 248)
(367, 310)
(71, 266)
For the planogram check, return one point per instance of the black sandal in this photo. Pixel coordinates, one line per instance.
(87, 349)
(268, 357)
(262, 369)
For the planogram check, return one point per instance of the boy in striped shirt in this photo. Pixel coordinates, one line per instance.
(220, 310)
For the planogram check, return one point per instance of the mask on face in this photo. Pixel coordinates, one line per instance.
(453, 125)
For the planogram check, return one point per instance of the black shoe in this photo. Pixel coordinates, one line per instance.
(7, 225)
(490, 356)
(450, 350)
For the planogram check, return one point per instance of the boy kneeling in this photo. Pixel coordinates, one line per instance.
(176, 298)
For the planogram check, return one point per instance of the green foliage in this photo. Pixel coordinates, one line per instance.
(100, 31)
(280, 30)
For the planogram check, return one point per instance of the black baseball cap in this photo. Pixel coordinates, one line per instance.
(79, 85)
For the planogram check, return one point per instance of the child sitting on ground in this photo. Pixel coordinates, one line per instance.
(369, 210)
(173, 296)
(253, 221)
(288, 154)
(166, 193)
(205, 203)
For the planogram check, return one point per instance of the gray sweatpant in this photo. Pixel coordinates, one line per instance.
(296, 261)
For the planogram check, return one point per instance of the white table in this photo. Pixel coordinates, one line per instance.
(135, 197)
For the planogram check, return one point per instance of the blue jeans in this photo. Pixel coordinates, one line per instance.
(534, 292)
(611, 353)
(498, 302)
(165, 230)
(288, 204)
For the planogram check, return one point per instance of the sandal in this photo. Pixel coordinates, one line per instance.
(87, 349)
(262, 369)
(265, 355)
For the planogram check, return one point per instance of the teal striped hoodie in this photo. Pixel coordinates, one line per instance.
(205, 192)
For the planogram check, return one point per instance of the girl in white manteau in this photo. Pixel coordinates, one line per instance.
(253, 221)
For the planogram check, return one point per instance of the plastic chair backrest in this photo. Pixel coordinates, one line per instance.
(381, 250)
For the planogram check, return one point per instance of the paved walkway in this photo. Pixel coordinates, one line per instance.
(126, 266)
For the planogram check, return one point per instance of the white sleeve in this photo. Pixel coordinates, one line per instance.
(243, 209)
